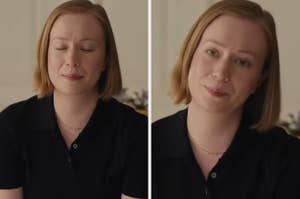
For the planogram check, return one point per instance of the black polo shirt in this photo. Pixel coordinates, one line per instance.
(108, 158)
(264, 166)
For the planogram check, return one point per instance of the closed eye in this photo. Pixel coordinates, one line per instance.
(87, 49)
(60, 48)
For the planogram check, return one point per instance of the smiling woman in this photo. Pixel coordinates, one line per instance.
(73, 139)
(227, 74)
(76, 54)
(227, 65)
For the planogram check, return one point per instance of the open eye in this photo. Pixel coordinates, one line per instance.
(212, 52)
(242, 62)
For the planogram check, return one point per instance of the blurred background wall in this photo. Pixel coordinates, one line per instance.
(172, 19)
(22, 22)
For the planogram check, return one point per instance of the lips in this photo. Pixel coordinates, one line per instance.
(73, 76)
(217, 92)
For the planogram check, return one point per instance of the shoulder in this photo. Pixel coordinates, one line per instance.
(283, 149)
(17, 111)
(277, 142)
(280, 141)
(283, 163)
(123, 111)
(165, 126)
(169, 136)
(125, 118)
(170, 121)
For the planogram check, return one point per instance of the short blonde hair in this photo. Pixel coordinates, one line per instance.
(263, 107)
(110, 82)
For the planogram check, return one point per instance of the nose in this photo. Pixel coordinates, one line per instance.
(72, 58)
(221, 71)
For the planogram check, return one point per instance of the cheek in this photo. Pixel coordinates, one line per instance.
(96, 72)
(201, 65)
(192, 75)
(50, 64)
(193, 79)
(54, 61)
(249, 86)
(94, 69)
(95, 66)
(198, 72)
(95, 60)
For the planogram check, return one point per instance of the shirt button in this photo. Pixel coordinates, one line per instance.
(213, 175)
(75, 146)
(69, 162)
(205, 191)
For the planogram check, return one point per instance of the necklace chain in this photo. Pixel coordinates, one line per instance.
(209, 152)
(203, 149)
(70, 127)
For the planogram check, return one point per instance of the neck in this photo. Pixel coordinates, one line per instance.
(74, 110)
(212, 131)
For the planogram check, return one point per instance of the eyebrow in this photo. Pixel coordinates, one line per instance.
(84, 39)
(223, 45)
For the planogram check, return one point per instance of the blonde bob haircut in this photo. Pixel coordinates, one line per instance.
(262, 108)
(110, 82)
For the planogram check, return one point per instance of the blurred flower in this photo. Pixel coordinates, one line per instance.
(292, 125)
(137, 100)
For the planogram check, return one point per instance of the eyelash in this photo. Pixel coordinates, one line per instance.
(81, 49)
(212, 52)
(86, 50)
(239, 61)
(61, 49)
(242, 62)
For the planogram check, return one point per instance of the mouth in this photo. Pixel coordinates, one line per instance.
(216, 92)
(73, 77)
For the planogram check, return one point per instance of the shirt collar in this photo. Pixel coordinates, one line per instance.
(179, 145)
(173, 140)
(41, 115)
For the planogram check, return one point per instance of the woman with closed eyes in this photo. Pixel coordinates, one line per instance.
(74, 140)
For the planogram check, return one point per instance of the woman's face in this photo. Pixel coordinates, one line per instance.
(76, 54)
(227, 65)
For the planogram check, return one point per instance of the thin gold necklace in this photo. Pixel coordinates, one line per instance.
(203, 149)
(70, 127)
(208, 152)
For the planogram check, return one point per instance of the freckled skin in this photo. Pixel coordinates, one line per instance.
(227, 65)
(76, 54)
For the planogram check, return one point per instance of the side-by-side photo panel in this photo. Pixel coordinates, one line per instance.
(74, 98)
(225, 106)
